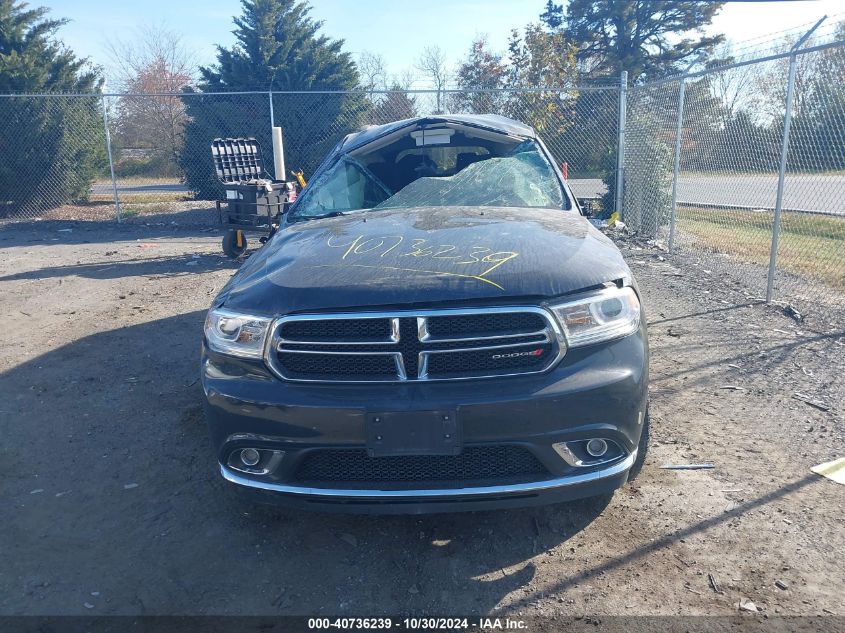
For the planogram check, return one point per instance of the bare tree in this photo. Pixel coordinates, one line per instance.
(373, 72)
(404, 79)
(772, 81)
(735, 87)
(156, 62)
(432, 62)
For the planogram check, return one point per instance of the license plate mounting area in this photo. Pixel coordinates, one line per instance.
(413, 433)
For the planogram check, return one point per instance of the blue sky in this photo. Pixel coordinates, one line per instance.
(397, 29)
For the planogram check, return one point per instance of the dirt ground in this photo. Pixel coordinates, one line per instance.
(112, 504)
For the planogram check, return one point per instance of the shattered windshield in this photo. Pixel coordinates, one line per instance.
(522, 177)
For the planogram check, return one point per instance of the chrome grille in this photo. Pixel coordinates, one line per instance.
(415, 345)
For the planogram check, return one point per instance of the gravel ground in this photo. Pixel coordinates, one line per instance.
(151, 214)
(112, 504)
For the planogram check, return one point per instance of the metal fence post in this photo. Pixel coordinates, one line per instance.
(111, 160)
(784, 153)
(272, 125)
(678, 131)
(620, 149)
(681, 94)
(272, 115)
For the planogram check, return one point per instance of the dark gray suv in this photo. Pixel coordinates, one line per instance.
(435, 326)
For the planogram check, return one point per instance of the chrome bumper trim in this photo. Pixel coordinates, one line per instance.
(381, 495)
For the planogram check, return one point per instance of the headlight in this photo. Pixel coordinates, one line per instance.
(600, 316)
(236, 334)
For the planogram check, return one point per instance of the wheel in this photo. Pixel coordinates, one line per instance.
(642, 448)
(234, 243)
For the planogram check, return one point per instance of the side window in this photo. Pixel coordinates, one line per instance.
(345, 187)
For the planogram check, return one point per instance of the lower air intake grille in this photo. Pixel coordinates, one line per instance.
(489, 464)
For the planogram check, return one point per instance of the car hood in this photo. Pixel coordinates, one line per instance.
(423, 256)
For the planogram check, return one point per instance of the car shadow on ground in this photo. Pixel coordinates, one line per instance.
(165, 266)
(185, 223)
(632, 556)
(773, 348)
(123, 498)
(712, 311)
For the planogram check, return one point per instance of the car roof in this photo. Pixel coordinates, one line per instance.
(493, 122)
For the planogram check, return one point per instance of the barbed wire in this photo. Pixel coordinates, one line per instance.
(780, 41)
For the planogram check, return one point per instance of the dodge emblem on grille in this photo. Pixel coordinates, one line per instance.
(535, 352)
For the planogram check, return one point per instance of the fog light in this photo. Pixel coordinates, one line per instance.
(250, 456)
(596, 447)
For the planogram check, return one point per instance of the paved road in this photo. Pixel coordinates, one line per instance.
(807, 192)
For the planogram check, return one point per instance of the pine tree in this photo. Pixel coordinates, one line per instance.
(31, 60)
(279, 48)
(635, 35)
(552, 17)
(58, 141)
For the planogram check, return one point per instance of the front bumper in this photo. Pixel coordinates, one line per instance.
(568, 488)
(598, 391)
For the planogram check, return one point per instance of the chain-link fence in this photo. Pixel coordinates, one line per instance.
(156, 156)
(704, 169)
(741, 170)
(53, 148)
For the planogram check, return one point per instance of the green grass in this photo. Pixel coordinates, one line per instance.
(142, 198)
(812, 246)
